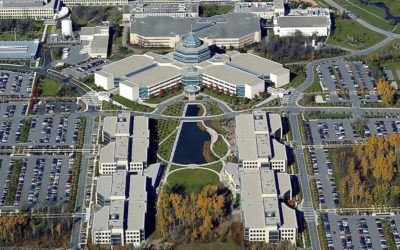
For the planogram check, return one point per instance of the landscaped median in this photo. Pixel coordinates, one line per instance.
(307, 159)
(303, 132)
(12, 189)
(25, 130)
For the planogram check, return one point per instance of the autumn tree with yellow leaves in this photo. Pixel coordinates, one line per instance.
(385, 91)
(368, 173)
(192, 217)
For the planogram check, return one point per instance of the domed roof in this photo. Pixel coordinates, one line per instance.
(191, 41)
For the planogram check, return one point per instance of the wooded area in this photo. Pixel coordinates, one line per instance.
(194, 217)
(292, 49)
(23, 231)
(368, 174)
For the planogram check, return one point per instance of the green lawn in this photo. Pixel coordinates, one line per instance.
(369, 13)
(109, 106)
(165, 148)
(214, 166)
(166, 96)
(174, 109)
(164, 128)
(131, 104)
(393, 5)
(208, 10)
(228, 244)
(213, 109)
(350, 34)
(315, 86)
(192, 179)
(49, 87)
(220, 147)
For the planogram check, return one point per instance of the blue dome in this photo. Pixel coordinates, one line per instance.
(191, 41)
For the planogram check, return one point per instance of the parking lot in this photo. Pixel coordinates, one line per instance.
(359, 232)
(52, 124)
(347, 82)
(15, 83)
(339, 130)
(86, 67)
(44, 180)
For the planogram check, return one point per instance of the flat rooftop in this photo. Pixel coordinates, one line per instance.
(154, 75)
(117, 125)
(118, 187)
(255, 63)
(25, 4)
(140, 148)
(104, 183)
(137, 206)
(161, 7)
(230, 25)
(302, 21)
(18, 49)
(232, 75)
(115, 151)
(140, 127)
(99, 44)
(127, 65)
(116, 214)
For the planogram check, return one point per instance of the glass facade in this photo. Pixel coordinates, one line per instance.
(240, 91)
(273, 236)
(143, 92)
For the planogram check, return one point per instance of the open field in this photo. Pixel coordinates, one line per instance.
(371, 14)
(350, 34)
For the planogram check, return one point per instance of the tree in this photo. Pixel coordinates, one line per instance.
(385, 91)
(161, 93)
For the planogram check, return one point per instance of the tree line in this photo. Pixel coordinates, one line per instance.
(368, 173)
(22, 230)
(291, 49)
(194, 217)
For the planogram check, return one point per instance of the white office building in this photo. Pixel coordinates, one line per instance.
(264, 213)
(257, 146)
(177, 9)
(232, 29)
(265, 10)
(312, 21)
(23, 9)
(141, 76)
(95, 40)
(127, 149)
(122, 220)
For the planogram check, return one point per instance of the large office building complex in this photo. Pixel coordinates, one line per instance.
(309, 22)
(265, 215)
(136, 9)
(258, 147)
(127, 144)
(265, 10)
(233, 29)
(122, 217)
(191, 64)
(22, 9)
